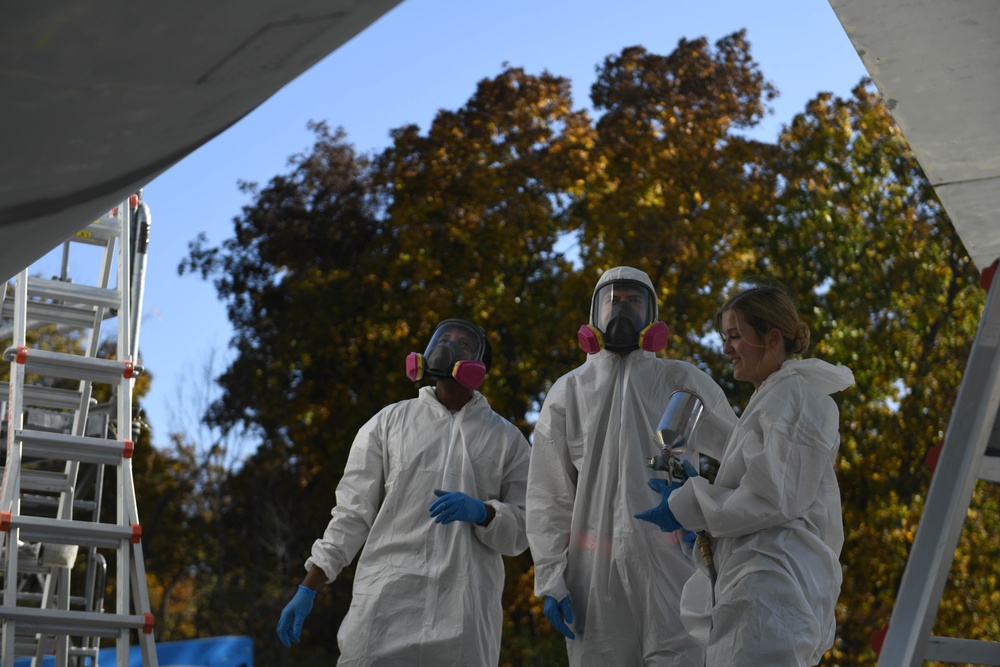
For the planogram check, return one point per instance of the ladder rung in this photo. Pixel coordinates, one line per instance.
(98, 232)
(39, 419)
(36, 598)
(40, 558)
(43, 480)
(47, 397)
(61, 531)
(43, 444)
(25, 645)
(47, 481)
(51, 503)
(989, 469)
(60, 290)
(966, 651)
(61, 621)
(41, 313)
(71, 366)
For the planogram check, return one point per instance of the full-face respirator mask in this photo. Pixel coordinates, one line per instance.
(457, 350)
(622, 316)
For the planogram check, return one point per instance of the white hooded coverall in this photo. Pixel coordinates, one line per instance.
(587, 479)
(426, 593)
(775, 519)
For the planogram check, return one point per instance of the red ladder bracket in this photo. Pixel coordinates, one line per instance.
(933, 454)
(147, 627)
(878, 638)
(986, 279)
(136, 534)
(5, 520)
(129, 448)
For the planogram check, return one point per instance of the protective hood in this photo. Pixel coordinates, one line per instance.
(623, 273)
(623, 313)
(822, 376)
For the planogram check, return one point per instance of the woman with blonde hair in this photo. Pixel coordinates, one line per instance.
(773, 511)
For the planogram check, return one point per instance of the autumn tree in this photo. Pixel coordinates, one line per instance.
(477, 206)
(672, 175)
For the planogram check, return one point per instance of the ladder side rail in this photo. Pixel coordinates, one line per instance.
(948, 498)
(133, 569)
(10, 486)
(61, 575)
(64, 263)
(3, 297)
(96, 573)
(9, 490)
(96, 577)
(132, 267)
(139, 590)
(123, 425)
(143, 222)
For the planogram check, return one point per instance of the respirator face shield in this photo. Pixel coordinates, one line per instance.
(621, 311)
(456, 350)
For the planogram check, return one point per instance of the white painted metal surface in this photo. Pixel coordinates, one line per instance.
(98, 98)
(937, 66)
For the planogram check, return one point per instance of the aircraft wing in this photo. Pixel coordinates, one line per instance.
(937, 67)
(99, 98)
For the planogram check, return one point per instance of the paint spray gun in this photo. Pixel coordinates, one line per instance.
(679, 421)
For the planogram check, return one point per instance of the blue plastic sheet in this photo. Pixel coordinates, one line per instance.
(229, 651)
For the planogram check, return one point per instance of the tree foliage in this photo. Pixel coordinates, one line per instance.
(504, 212)
(672, 179)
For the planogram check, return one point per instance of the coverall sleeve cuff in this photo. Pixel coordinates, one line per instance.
(684, 504)
(505, 533)
(553, 589)
(326, 572)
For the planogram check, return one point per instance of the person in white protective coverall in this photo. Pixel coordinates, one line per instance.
(609, 583)
(774, 509)
(434, 488)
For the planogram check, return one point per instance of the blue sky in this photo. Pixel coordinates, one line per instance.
(423, 56)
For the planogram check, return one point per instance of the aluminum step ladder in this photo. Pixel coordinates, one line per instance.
(57, 541)
(970, 452)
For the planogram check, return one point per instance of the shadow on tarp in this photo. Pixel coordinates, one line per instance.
(230, 651)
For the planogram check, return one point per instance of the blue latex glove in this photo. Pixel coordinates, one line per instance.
(457, 506)
(559, 614)
(294, 615)
(690, 536)
(661, 514)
